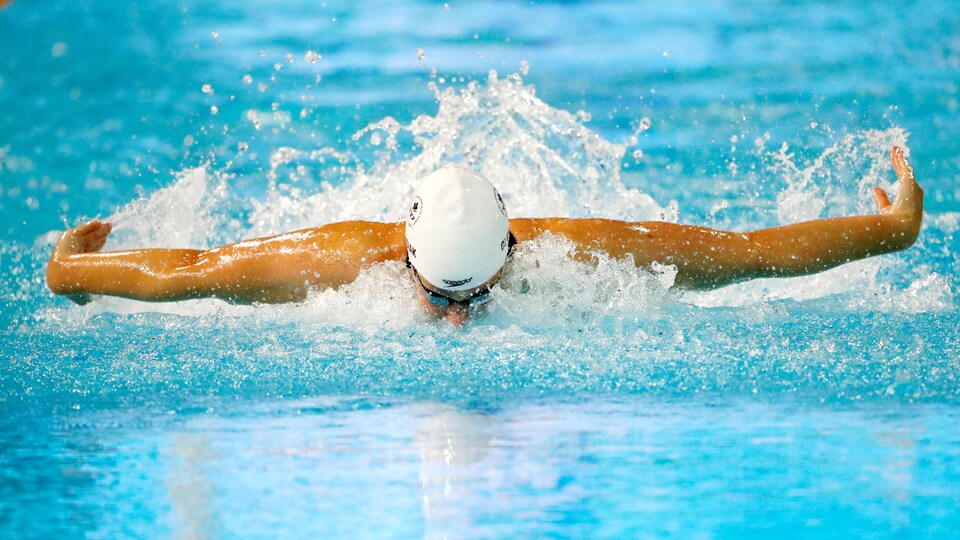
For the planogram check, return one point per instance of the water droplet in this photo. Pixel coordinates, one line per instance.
(247, 79)
(644, 123)
(637, 154)
(734, 139)
(188, 140)
(207, 89)
(59, 49)
(277, 66)
(214, 109)
(262, 87)
(214, 35)
(375, 139)
(524, 67)
(242, 147)
(311, 57)
(254, 118)
(288, 57)
(666, 54)
(420, 53)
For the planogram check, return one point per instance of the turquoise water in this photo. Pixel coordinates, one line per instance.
(585, 401)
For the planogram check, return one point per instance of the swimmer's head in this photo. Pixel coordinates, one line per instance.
(457, 230)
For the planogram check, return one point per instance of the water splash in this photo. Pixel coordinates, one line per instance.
(546, 162)
(179, 215)
(838, 181)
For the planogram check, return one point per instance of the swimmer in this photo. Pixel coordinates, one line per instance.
(455, 242)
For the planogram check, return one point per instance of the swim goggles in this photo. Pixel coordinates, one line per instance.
(482, 296)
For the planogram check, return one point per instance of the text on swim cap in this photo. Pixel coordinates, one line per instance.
(457, 282)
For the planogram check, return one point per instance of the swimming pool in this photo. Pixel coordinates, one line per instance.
(586, 401)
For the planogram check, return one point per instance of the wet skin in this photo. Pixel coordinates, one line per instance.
(286, 267)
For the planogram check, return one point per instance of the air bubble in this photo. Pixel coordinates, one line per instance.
(420, 54)
(524, 68)
(311, 57)
(207, 89)
(59, 49)
(214, 109)
(247, 79)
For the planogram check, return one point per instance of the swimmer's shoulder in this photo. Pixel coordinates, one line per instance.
(525, 229)
(371, 240)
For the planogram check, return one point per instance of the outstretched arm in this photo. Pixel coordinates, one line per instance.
(276, 269)
(708, 258)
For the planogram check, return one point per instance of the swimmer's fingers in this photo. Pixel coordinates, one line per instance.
(900, 165)
(909, 198)
(883, 201)
(93, 235)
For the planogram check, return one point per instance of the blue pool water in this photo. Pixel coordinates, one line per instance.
(594, 403)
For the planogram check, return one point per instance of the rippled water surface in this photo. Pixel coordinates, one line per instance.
(584, 400)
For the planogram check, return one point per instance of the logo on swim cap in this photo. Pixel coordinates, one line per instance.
(415, 210)
(457, 282)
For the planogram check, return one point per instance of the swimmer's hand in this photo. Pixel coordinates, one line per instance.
(87, 238)
(908, 204)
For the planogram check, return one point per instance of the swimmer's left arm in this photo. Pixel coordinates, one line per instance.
(708, 258)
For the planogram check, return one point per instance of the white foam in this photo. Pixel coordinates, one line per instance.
(544, 285)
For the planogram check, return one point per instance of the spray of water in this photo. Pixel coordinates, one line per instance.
(546, 162)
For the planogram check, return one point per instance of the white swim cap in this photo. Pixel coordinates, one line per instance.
(457, 231)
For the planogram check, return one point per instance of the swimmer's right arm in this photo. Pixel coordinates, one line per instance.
(267, 270)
